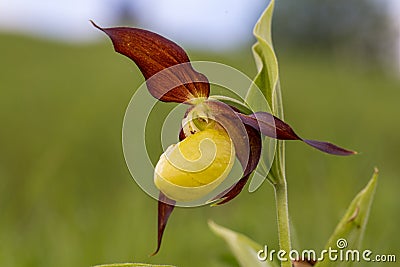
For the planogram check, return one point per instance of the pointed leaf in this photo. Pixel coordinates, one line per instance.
(243, 248)
(165, 207)
(267, 80)
(271, 126)
(165, 65)
(349, 232)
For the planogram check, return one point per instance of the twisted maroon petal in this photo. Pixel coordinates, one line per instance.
(272, 126)
(166, 67)
(165, 208)
(255, 152)
(247, 141)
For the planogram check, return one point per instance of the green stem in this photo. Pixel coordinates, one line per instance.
(283, 219)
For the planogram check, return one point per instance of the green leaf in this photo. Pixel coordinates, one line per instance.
(266, 89)
(267, 78)
(351, 228)
(132, 265)
(244, 249)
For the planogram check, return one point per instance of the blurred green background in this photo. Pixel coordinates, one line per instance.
(67, 198)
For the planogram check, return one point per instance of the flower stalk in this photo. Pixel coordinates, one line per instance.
(282, 212)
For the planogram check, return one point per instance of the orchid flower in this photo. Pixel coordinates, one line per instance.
(233, 132)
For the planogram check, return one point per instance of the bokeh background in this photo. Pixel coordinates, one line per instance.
(66, 195)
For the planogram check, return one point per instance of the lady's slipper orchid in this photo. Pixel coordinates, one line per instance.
(212, 132)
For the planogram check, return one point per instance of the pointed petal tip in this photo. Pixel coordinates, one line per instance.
(165, 207)
(155, 252)
(350, 153)
(218, 202)
(230, 193)
(353, 152)
(271, 126)
(96, 26)
(329, 148)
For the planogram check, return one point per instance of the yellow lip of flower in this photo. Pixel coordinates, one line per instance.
(196, 161)
(195, 166)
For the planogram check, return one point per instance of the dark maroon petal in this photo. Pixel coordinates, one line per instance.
(154, 54)
(228, 118)
(165, 207)
(272, 126)
(329, 148)
(269, 125)
(255, 150)
(247, 143)
(181, 135)
(255, 153)
(231, 192)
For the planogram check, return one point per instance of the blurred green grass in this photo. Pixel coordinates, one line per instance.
(66, 196)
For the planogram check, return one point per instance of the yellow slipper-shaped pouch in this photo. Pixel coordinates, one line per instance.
(195, 166)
